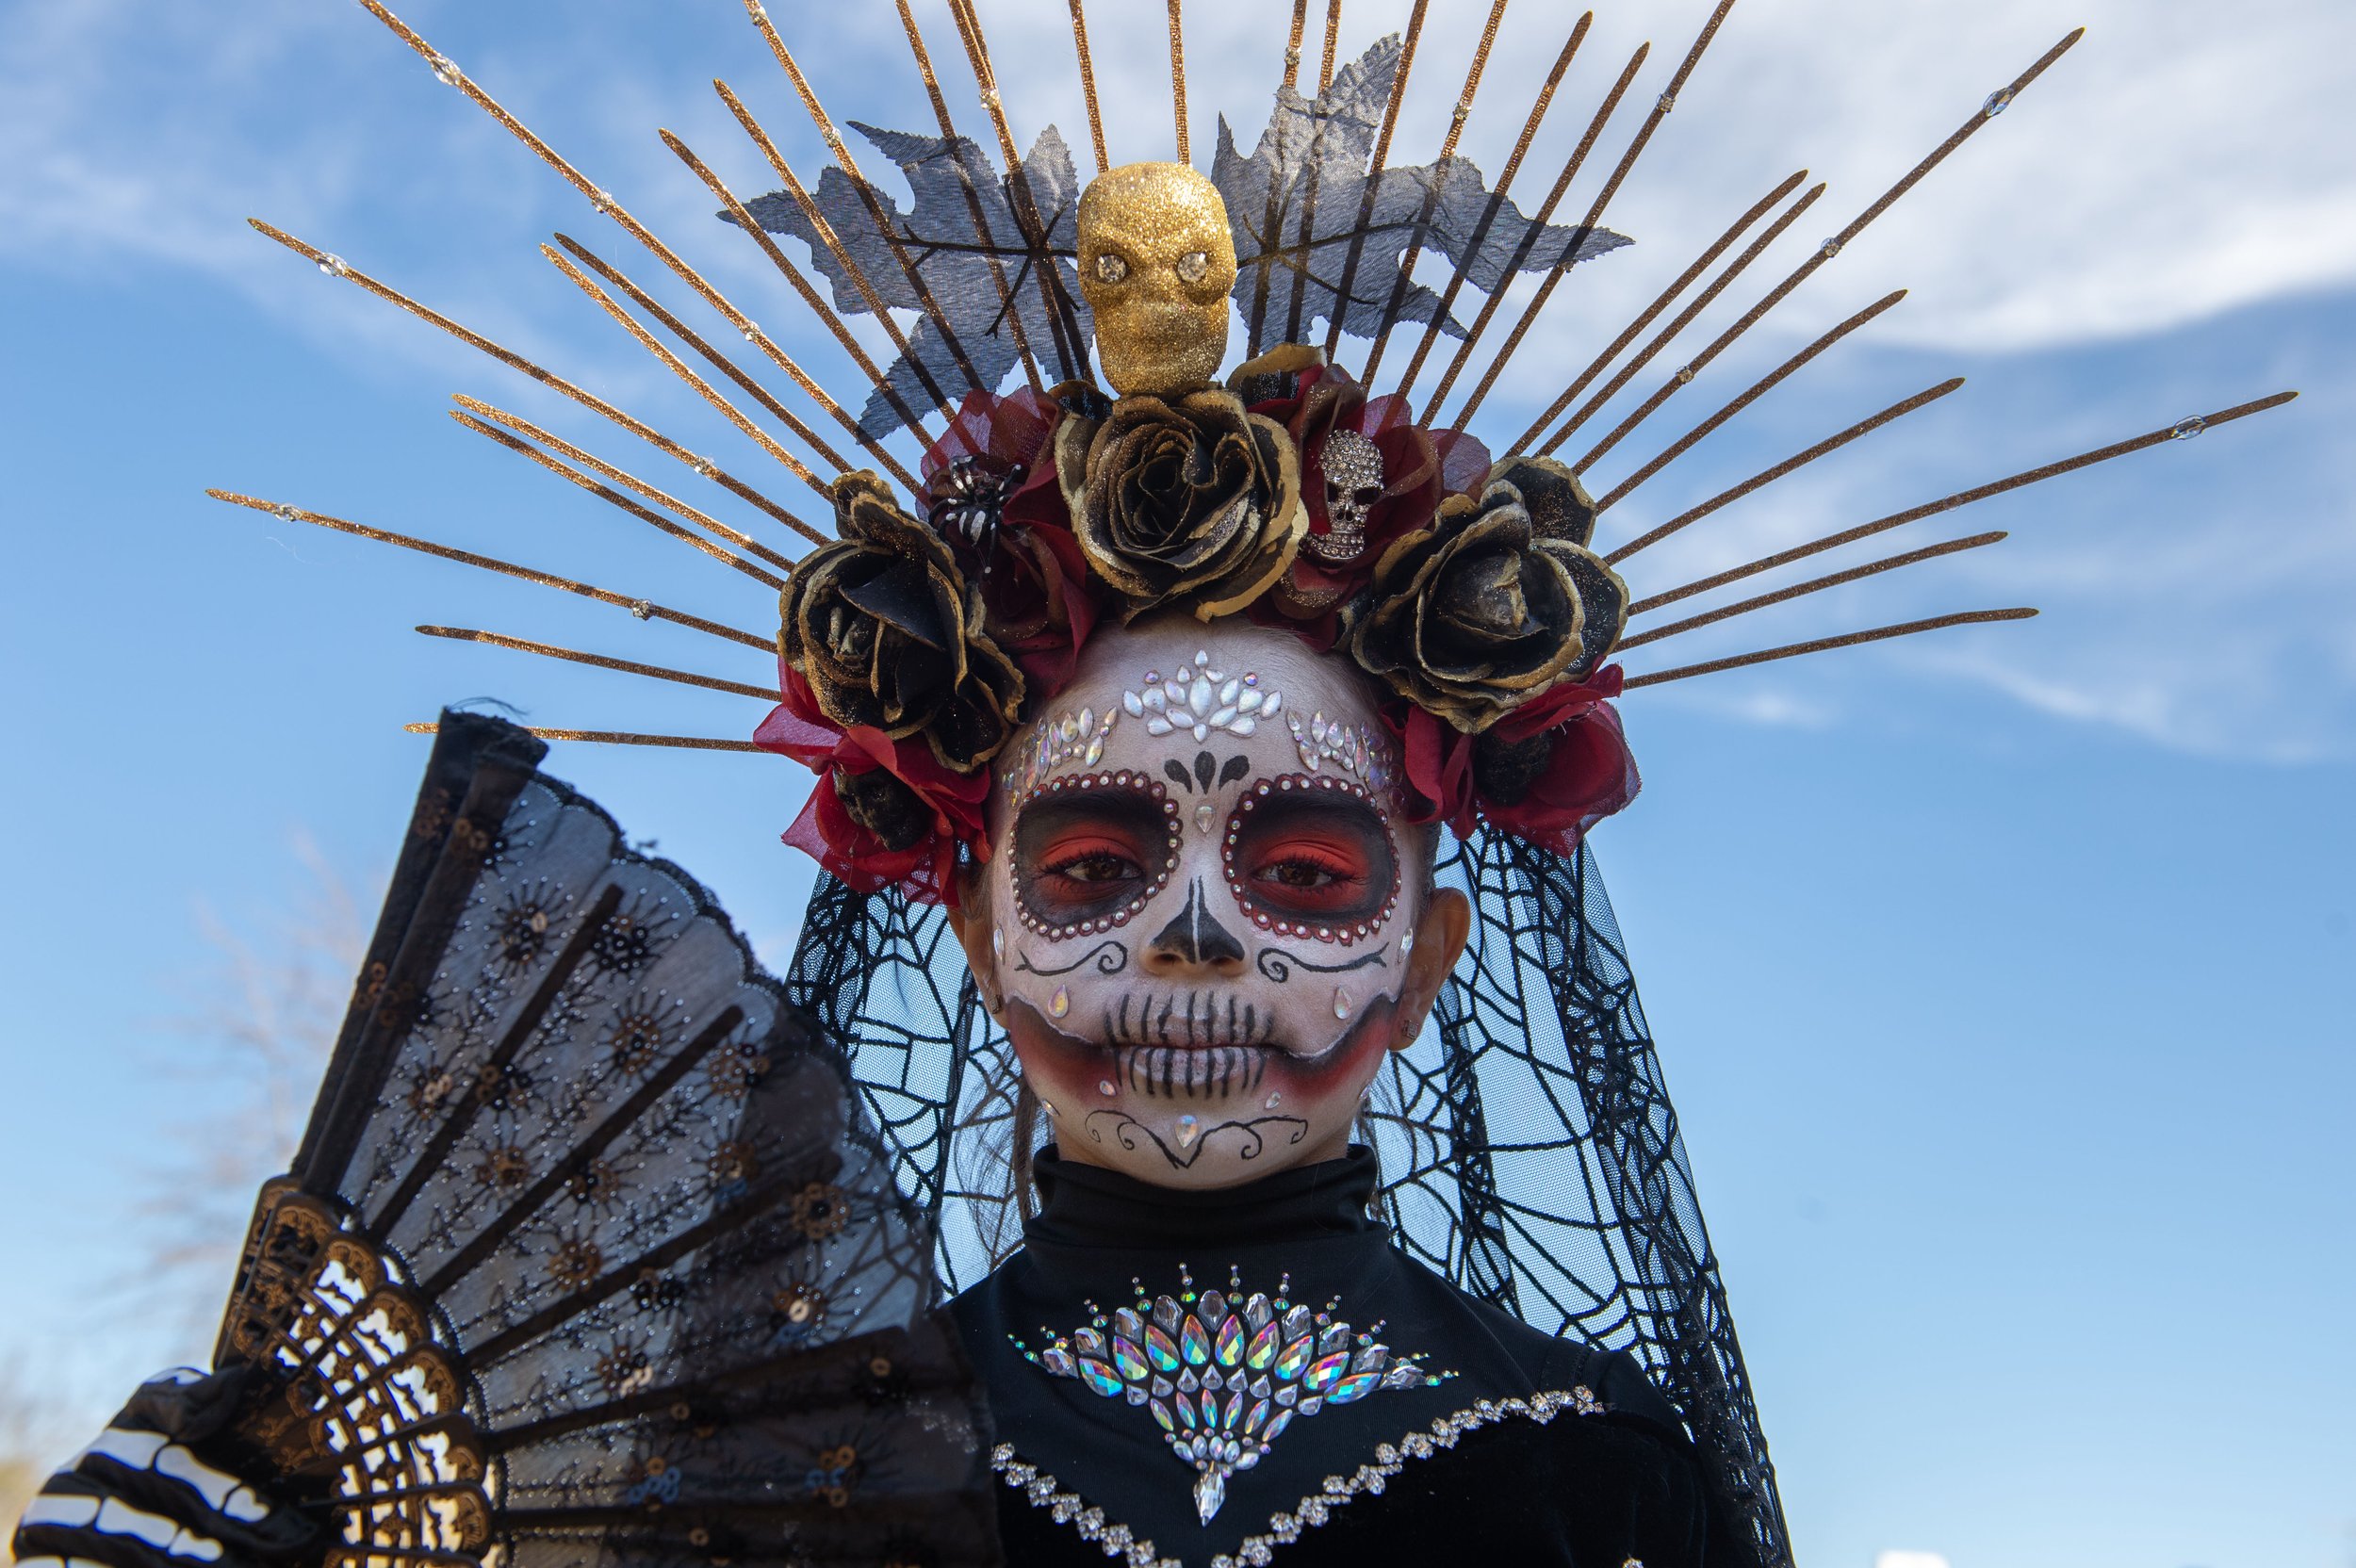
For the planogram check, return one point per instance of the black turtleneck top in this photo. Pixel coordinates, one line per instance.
(1258, 1376)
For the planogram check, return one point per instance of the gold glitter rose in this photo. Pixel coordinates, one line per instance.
(888, 634)
(1480, 613)
(1185, 501)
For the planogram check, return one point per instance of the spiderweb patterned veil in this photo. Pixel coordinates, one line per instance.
(1528, 1150)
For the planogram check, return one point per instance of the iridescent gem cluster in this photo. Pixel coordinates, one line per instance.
(1347, 933)
(1224, 1377)
(1352, 748)
(1173, 825)
(1198, 699)
(1075, 737)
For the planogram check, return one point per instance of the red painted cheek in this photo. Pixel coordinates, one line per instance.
(1341, 1071)
(1058, 1066)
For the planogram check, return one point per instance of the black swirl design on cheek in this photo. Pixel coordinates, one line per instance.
(1278, 964)
(1110, 957)
(1133, 1135)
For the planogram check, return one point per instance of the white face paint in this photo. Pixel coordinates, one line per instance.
(1199, 895)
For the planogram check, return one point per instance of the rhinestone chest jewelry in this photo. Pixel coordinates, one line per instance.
(1223, 1374)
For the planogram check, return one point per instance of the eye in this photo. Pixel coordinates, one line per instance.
(1111, 267)
(1091, 859)
(1093, 854)
(1310, 855)
(1193, 266)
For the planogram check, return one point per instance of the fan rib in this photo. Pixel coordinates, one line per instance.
(1458, 277)
(833, 242)
(544, 377)
(566, 470)
(596, 465)
(982, 236)
(1961, 498)
(819, 307)
(591, 1144)
(1790, 465)
(1748, 396)
(605, 202)
(1178, 76)
(1588, 225)
(643, 609)
(867, 194)
(1832, 247)
(434, 1155)
(1667, 297)
(656, 672)
(1821, 645)
(1539, 219)
(1375, 167)
(1399, 287)
(1781, 595)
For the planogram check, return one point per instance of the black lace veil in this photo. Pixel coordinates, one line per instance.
(1529, 1149)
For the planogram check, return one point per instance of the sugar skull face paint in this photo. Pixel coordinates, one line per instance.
(1205, 942)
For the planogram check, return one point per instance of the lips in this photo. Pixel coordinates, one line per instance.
(1198, 1065)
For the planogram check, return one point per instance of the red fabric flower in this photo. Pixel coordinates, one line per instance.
(926, 869)
(1036, 601)
(1583, 773)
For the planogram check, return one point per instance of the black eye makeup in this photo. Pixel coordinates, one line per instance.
(1312, 856)
(1089, 851)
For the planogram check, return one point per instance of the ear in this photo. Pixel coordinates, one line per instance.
(969, 921)
(1441, 933)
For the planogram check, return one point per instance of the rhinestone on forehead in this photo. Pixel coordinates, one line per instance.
(1357, 749)
(1199, 699)
(1348, 933)
(1053, 742)
(1173, 829)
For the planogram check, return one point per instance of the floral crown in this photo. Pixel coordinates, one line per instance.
(913, 649)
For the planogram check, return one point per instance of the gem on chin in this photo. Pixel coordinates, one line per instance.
(1273, 1100)
(1187, 1127)
(1104, 1085)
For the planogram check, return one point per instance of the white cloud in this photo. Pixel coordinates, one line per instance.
(1908, 1559)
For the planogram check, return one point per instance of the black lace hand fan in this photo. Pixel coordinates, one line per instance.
(587, 1255)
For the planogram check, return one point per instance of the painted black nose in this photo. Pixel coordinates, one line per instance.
(1195, 936)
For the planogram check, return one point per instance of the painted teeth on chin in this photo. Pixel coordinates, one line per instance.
(1160, 1071)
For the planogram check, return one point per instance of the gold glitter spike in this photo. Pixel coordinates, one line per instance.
(2183, 430)
(1374, 178)
(1594, 220)
(613, 737)
(1684, 319)
(982, 236)
(1538, 222)
(1782, 595)
(546, 378)
(833, 242)
(604, 202)
(875, 211)
(1088, 74)
(818, 306)
(567, 471)
(712, 356)
(1332, 37)
(1833, 246)
(1748, 396)
(1821, 645)
(1790, 465)
(1178, 74)
(1070, 347)
(596, 465)
(678, 368)
(654, 672)
(1457, 278)
(1292, 46)
(645, 610)
(1392, 306)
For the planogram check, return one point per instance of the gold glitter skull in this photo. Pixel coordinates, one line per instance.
(1157, 261)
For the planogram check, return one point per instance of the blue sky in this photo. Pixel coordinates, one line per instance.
(2000, 976)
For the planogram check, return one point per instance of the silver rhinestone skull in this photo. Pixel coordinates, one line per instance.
(1354, 483)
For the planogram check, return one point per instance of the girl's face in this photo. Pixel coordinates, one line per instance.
(1201, 924)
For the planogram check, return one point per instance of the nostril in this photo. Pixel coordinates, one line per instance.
(1194, 937)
